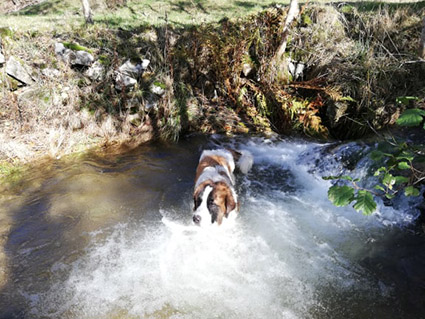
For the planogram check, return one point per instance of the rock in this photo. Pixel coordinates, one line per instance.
(78, 58)
(134, 69)
(246, 69)
(60, 48)
(131, 69)
(18, 71)
(296, 69)
(128, 73)
(157, 88)
(124, 81)
(51, 73)
(81, 58)
(145, 64)
(96, 72)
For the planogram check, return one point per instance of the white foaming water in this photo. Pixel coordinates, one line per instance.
(285, 256)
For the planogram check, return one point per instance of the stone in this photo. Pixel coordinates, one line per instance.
(246, 69)
(51, 73)
(131, 69)
(18, 71)
(81, 58)
(145, 64)
(296, 69)
(78, 58)
(2, 59)
(60, 48)
(96, 72)
(124, 81)
(157, 88)
(128, 73)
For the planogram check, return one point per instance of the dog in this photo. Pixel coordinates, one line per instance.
(214, 193)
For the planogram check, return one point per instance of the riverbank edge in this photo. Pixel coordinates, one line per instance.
(190, 86)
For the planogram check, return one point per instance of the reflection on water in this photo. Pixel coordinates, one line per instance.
(113, 238)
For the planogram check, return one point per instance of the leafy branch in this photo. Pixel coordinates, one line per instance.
(397, 171)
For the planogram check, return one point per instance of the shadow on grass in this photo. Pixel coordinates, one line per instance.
(50, 7)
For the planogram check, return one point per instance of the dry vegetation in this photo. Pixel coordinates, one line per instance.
(355, 59)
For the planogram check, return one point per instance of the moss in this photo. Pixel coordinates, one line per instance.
(76, 47)
(6, 32)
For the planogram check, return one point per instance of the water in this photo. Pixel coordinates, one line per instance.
(113, 238)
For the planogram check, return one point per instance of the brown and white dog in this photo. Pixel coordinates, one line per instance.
(214, 194)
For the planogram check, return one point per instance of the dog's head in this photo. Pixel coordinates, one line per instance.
(212, 202)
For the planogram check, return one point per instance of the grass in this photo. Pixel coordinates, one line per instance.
(61, 14)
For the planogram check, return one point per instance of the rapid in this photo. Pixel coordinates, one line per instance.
(112, 237)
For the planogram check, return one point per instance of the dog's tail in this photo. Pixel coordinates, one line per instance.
(245, 161)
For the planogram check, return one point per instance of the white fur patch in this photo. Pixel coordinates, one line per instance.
(223, 153)
(202, 210)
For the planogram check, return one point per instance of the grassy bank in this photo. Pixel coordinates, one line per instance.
(212, 63)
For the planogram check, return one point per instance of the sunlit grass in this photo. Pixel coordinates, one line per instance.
(54, 14)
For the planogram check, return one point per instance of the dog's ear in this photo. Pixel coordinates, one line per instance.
(197, 194)
(230, 202)
(224, 199)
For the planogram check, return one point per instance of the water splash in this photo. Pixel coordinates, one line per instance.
(289, 254)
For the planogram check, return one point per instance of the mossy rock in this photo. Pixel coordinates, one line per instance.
(76, 47)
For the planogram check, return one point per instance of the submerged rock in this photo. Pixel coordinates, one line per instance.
(18, 71)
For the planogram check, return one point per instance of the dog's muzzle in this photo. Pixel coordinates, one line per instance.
(196, 219)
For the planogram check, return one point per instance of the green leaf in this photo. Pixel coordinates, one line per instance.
(347, 98)
(406, 99)
(411, 117)
(406, 155)
(341, 195)
(388, 180)
(403, 165)
(389, 196)
(411, 191)
(331, 177)
(379, 170)
(342, 177)
(401, 179)
(379, 187)
(364, 202)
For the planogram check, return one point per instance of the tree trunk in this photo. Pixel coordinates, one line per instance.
(87, 11)
(292, 13)
(422, 42)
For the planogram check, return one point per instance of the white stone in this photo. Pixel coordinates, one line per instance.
(131, 69)
(156, 89)
(145, 64)
(18, 71)
(96, 71)
(122, 80)
(51, 73)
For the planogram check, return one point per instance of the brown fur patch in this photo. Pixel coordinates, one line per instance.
(223, 198)
(211, 161)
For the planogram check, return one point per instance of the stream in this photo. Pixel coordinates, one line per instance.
(112, 237)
